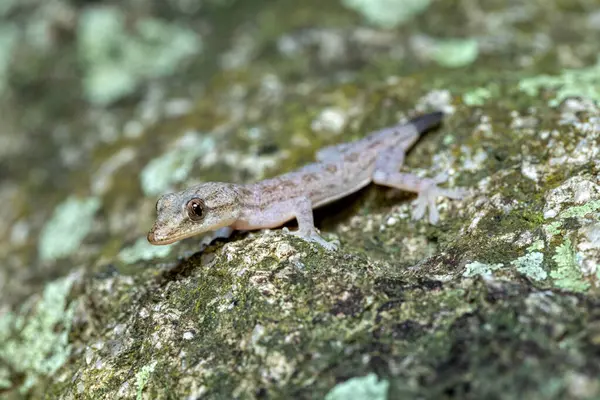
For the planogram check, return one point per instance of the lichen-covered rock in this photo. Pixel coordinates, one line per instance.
(500, 300)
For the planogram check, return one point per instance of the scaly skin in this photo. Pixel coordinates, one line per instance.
(339, 171)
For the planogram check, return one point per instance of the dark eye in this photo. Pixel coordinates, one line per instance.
(195, 209)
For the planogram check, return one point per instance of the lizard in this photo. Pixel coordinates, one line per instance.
(339, 170)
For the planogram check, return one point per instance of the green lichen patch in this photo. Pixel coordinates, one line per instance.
(581, 82)
(477, 268)
(586, 212)
(142, 378)
(117, 60)
(142, 250)
(553, 228)
(388, 13)
(175, 165)
(536, 246)
(590, 208)
(360, 388)
(531, 265)
(567, 274)
(477, 96)
(454, 53)
(34, 343)
(67, 228)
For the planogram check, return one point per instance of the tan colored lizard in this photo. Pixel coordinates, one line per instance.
(339, 171)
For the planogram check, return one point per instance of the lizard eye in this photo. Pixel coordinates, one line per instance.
(195, 209)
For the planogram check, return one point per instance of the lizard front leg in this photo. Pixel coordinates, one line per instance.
(302, 210)
(386, 173)
(221, 233)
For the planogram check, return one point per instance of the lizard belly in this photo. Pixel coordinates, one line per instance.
(343, 192)
(349, 178)
(271, 216)
(276, 200)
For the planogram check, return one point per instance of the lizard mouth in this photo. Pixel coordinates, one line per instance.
(160, 234)
(158, 239)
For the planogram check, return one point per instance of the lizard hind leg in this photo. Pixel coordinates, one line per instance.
(427, 197)
(386, 173)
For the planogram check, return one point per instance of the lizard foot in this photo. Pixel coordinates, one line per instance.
(314, 237)
(427, 197)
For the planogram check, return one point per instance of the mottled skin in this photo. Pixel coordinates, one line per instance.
(339, 171)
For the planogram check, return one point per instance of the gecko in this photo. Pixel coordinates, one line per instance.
(339, 170)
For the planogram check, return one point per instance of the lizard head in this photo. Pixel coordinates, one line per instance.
(199, 209)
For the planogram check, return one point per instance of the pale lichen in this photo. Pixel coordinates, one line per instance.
(142, 250)
(477, 268)
(590, 208)
(553, 228)
(117, 60)
(142, 378)
(174, 166)
(360, 388)
(530, 265)
(567, 274)
(454, 53)
(67, 228)
(477, 96)
(35, 341)
(536, 246)
(388, 13)
(581, 82)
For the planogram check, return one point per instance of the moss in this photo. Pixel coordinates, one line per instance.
(501, 310)
(517, 220)
(532, 217)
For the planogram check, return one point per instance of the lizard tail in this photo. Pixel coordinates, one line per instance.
(426, 122)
